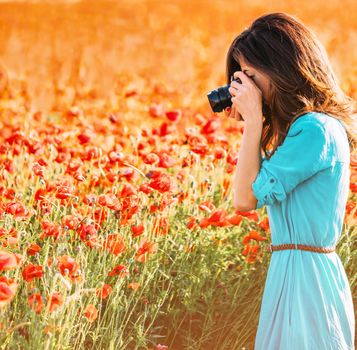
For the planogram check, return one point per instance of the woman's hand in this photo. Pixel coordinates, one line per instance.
(231, 112)
(246, 100)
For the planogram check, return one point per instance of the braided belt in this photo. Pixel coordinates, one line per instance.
(310, 248)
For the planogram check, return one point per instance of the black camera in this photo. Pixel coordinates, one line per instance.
(220, 98)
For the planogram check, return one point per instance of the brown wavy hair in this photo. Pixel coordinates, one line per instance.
(301, 76)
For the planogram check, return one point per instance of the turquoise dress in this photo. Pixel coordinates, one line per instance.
(307, 301)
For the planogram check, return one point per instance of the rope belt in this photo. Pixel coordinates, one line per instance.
(310, 248)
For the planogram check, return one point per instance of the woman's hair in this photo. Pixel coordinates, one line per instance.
(300, 74)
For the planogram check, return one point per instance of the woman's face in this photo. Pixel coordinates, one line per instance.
(260, 79)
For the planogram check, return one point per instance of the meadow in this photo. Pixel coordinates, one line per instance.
(117, 228)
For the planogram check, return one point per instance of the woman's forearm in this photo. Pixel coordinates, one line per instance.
(247, 168)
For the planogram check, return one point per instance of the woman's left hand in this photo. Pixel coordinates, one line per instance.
(246, 98)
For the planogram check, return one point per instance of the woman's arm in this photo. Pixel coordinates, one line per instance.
(247, 168)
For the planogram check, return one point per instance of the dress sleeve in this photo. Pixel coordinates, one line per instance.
(303, 153)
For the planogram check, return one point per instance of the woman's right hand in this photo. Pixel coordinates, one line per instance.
(231, 112)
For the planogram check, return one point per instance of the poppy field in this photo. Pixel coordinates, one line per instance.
(117, 229)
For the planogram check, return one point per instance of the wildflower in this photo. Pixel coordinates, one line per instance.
(55, 300)
(31, 272)
(7, 290)
(104, 291)
(119, 270)
(115, 244)
(144, 249)
(7, 260)
(90, 312)
(35, 302)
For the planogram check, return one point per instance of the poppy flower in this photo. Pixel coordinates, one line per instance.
(191, 224)
(7, 260)
(70, 222)
(91, 313)
(35, 302)
(161, 182)
(173, 115)
(67, 266)
(104, 292)
(137, 230)
(40, 194)
(211, 126)
(127, 190)
(144, 249)
(38, 170)
(65, 191)
(251, 215)
(110, 201)
(115, 244)
(119, 270)
(31, 272)
(17, 209)
(250, 251)
(50, 229)
(7, 290)
(134, 285)
(55, 300)
(33, 249)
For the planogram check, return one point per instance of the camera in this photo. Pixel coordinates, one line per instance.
(220, 98)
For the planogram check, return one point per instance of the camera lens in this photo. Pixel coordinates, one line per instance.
(220, 98)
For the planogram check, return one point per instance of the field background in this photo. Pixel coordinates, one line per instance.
(179, 43)
(103, 69)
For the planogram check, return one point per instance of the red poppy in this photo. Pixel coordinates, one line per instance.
(110, 201)
(7, 290)
(144, 249)
(38, 170)
(7, 260)
(68, 266)
(40, 194)
(119, 270)
(55, 300)
(115, 244)
(91, 313)
(88, 234)
(211, 126)
(128, 190)
(161, 182)
(137, 230)
(134, 285)
(17, 209)
(191, 224)
(104, 292)
(174, 115)
(33, 249)
(31, 272)
(70, 222)
(251, 252)
(35, 302)
(51, 229)
(65, 191)
(219, 218)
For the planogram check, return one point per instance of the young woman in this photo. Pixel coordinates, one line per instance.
(290, 100)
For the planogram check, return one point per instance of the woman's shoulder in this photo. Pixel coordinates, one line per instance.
(326, 127)
(317, 120)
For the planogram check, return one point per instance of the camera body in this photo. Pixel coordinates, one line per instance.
(220, 98)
